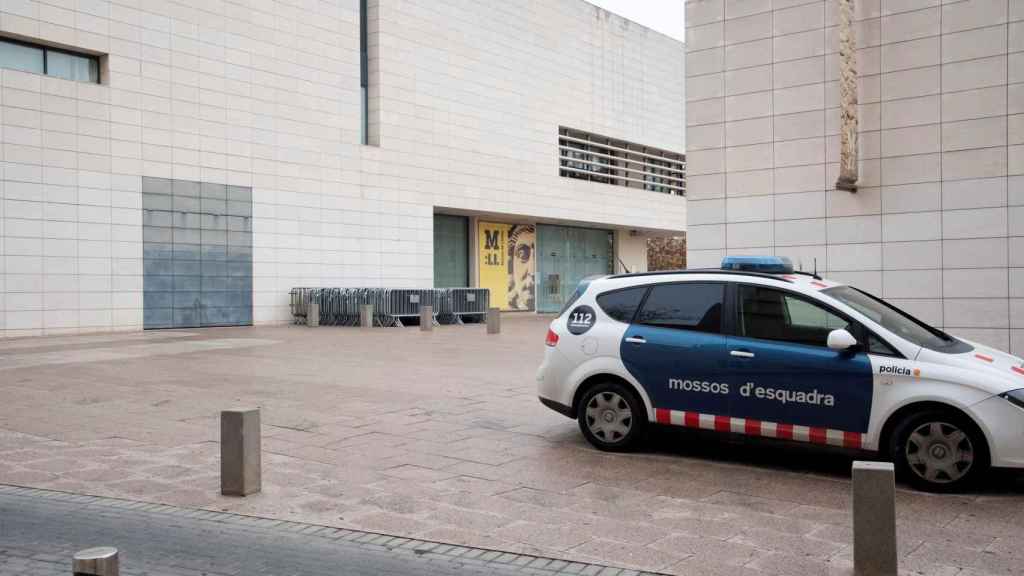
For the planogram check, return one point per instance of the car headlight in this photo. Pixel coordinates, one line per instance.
(1016, 397)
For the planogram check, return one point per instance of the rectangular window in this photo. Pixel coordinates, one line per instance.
(369, 73)
(18, 55)
(596, 158)
(770, 314)
(22, 57)
(689, 306)
(622, 304)
(364, 74)
(72, 66)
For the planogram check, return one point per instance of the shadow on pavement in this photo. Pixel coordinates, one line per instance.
(791, 457)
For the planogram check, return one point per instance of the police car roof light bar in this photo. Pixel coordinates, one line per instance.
(700, 271)
(763, 264)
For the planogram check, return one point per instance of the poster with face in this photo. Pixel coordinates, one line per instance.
(507, 263)
(521, 267)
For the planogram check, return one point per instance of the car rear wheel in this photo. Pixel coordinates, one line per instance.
(939, 451)
(612, 418)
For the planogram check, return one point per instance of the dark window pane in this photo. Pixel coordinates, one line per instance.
(877, 346)
(622, 304)
(692, 306)
(809, 315)
(451, 251)
(776, 315)
(41, 60)
(71, 67)
(19, 57)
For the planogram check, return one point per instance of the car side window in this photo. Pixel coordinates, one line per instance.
(622, 304)
(688, 306)
(771, 314)
(877, 346)
(807, 315)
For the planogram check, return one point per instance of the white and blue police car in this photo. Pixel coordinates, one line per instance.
(757, 348)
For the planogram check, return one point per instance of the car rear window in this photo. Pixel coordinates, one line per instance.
(622, 304)
(687, 306)
(580, 289)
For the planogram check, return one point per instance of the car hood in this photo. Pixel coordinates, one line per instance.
(990, 369)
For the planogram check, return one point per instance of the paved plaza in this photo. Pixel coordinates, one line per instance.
(439, 436)
(42, 530)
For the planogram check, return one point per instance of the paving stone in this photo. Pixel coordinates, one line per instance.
(718, 551)
(546, 535)
(791, 565)
(792, 543)
(628, 555)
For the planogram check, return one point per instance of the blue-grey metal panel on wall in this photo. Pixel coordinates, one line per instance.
(197, 254)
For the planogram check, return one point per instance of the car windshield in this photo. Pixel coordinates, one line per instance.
(895, 320)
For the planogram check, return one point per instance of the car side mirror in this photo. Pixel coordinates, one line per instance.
(841, 340)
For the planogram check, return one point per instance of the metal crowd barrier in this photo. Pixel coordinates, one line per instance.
(340, 306)
(466, 303)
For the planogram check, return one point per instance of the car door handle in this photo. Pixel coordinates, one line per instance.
(741, 354)
(636, 340)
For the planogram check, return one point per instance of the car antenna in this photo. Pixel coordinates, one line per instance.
(811, 274)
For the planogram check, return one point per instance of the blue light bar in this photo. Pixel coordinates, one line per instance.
(763, 264)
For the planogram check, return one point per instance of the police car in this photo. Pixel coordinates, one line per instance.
(757, 348)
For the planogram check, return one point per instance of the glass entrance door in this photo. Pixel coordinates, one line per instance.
(451, 251)
(568, 255)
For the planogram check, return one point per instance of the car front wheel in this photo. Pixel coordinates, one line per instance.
(939, 451)
(612, 418)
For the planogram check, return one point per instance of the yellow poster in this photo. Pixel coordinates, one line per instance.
(506, 261)
(492, 261)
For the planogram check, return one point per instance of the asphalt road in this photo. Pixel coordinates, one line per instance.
(40, 531)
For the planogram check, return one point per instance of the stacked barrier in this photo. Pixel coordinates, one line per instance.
(340, 306)
(466, 302)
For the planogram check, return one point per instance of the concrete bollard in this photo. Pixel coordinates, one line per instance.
(426, 318)
(366, 315)
(313, 316)
(874, 519)
(240, 456)
(100, 561)
(493, 320)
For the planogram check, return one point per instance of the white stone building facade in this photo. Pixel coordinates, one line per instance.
(936, 223)
(466, 100)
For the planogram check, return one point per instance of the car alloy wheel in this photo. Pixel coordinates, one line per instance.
(939, 452)
(612, 417)
(609, 417)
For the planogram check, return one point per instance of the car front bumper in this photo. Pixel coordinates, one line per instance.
(1004, 425)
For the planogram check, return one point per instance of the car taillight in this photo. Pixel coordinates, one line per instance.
(552, 338)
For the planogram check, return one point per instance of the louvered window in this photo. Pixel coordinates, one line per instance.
(606, 160)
